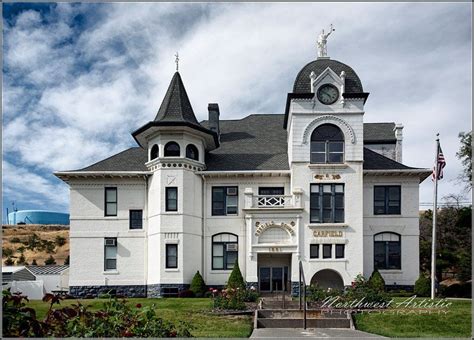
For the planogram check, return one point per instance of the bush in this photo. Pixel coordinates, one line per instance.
(116, 319)
(362, 289)
(376, 281)
(33, 242)
(317, 294)
(22, 260)
(186, 294)
(60, 241)
(15, 240)
(198, 286)
(7, 252)
(235, 279)
(9, 261)
(33, 263)
(230, 298)
(422, 286)
(460, 290)
(50, 260)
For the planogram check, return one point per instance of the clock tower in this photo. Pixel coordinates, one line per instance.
(324, 124)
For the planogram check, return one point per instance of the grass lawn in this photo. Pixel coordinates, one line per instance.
(455, 323)
(196, 312)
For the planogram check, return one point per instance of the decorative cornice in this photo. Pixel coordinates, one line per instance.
(328, 119)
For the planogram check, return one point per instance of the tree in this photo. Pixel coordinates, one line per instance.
(50, 260)
(376, 281)
(198, 286)
(22, 260)
(465, 155)
(7, 252)
(9, 261)
(34, 263)
(235, 279)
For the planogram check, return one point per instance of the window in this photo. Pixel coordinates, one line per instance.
(171, 256)
(387, 200)
(387, 251)
(314, 251)
(171, 199)
(327, 203)
(327, 144)
(136, 219)
(224, 201)
(271, 191)
(327, 251)
(154, 152)
(110, 254)
(172, 149)
(340, 251)
(192, 152)
(110, 202)
(224, 251)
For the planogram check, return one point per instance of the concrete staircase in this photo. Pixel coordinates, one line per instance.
(276, 312)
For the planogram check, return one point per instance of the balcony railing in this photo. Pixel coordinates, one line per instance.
(272, 201)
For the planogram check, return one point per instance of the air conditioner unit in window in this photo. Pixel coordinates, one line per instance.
(231, 191)
(232, 247)
(110, 242)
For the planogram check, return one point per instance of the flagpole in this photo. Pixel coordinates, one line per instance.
(435, 209)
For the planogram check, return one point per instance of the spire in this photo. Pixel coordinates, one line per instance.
(176, 106)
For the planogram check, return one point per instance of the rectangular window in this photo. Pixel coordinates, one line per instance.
(327, 152)
(340, 251)
(110, 254)
(387, 251)
(171, 199)
(327, 251)
(271, 191)
(110, 208)
(224, 201)
(171, 256)
(136, 219)
(314, 251)
(327, 203)
(387, 200)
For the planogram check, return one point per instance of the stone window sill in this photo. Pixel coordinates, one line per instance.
(172, 270)
(111, 272)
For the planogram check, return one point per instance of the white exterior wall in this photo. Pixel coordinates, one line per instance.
(89, 227)
(55, 282)
(406, 224)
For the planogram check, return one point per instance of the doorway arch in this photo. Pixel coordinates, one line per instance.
(328, 278)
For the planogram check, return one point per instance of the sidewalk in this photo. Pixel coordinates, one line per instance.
(311, 333)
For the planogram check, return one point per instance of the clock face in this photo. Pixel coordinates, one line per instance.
(328, 94)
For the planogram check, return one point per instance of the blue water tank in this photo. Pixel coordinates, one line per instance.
(38, 217)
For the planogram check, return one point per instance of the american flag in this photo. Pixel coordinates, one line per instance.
(441, 162)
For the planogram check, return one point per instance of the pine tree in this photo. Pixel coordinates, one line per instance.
(376, 281)
(198, 286)
(235, 279)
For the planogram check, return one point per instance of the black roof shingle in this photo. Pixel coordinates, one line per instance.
(256, 142)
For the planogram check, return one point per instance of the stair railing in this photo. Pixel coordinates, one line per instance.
(302, 298)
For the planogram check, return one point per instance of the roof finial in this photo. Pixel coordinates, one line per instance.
(322, 43)
(177, 61)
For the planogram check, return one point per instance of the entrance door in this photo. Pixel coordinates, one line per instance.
(277, 279)
(265, 279)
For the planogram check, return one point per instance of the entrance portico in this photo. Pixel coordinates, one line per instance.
(274, 272)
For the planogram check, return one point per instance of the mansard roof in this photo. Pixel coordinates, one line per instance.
(245, 145)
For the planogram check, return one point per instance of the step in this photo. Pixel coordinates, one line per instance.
(279, 305)
(298, 323)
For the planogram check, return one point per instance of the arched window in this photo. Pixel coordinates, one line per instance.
(327, 144)
(172, 149)
(224, 251)
(154, 152)
(387, 251)
(192, 152)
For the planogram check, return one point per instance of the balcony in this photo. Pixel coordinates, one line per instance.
(273, 202)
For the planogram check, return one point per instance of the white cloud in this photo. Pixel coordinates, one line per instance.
(67, 87)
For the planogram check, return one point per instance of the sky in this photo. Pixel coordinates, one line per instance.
(79, 78)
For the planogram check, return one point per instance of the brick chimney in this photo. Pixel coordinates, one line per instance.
(398, 129)
(214, 114)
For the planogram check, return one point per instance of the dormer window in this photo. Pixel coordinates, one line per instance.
(192, 152)
(154, 152)
(327, 144)
(172, 149)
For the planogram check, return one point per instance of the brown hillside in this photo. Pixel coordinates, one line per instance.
(46, 234)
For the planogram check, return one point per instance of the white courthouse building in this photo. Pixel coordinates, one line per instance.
(315, 184)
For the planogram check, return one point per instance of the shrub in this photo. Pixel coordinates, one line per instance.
(235, 279)
(198, 286)
(47, 245)
(33, 242)
(376, 281)
(186, 293)
(60, 241)
(115, 319)
(362, 289)
(9, 261)
(7, 252)
(15, 240)
(33, 263)
(460, 290)
(422, 286)
(318, 294)
(250, 295)
(21, 249)
(22, 260)
(230, 298)
(50, 260)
